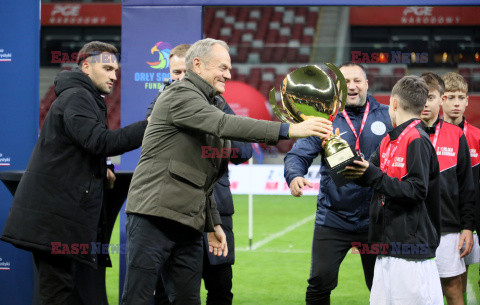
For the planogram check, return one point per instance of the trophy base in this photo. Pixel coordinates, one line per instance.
(337, 163)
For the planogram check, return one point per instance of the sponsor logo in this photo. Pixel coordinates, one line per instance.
(155, 80)
(4, 265)
(162, 50)
(398, 162)
(66, 10)
(418, 11)
(445, 151)
(473, 153)
(70, 14)
(4, 160)
(5, 56)
(424, 15)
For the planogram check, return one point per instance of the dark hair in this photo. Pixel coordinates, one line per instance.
(412, 92)
(353, 64)
(180, 51)
(94, 48)
(434, 82)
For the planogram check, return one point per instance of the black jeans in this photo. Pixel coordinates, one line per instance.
(329, 248)
(217, 278)
(63, 281)
(218, 283)
(151, 241)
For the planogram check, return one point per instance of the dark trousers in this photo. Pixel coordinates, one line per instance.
(329, 248)
(218, 283)
(63, 281)
(151, 241)
(217, 278)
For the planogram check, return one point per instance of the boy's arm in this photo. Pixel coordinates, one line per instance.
(466, 186)
(413, 187)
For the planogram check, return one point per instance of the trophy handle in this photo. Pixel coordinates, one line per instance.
(276, 109)
(343, 84)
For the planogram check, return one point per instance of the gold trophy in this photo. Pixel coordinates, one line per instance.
(310, 92)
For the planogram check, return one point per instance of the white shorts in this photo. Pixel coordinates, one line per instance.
(399, 281)
(474, 256)
(448, 259)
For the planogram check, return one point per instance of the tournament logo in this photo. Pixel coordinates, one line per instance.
(163, 51)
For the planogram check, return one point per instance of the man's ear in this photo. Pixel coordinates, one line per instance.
(395, 104)
(85, 66)
(197, 64)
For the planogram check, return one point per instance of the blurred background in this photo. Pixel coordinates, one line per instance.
(266, 43)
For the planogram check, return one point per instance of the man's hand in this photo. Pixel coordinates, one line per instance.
(337, 133)
(357, 170)
(110, 179)
(297, 185)
(313, 126)
(217, 242)
(148, 119)
(467, 237)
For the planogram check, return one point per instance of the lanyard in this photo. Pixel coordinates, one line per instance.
(465, 129)
(384, 165)
(437, 132)
(357, 144)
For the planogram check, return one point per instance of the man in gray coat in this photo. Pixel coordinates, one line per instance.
(170, 202)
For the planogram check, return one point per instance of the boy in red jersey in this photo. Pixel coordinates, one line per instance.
(455, 102)
(405, 208)
(457, 192)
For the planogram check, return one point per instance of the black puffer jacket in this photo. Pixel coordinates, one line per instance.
(59, 197)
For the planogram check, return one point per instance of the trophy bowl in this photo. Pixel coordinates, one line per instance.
(311, 92)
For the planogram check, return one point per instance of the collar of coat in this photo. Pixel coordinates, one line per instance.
(201, 84)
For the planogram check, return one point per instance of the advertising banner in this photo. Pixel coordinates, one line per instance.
(267, 179)
(19, 64)
(81, 14)
(415, 15)
(148, 35)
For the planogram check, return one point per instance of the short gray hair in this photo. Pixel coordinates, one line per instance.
(201, 49)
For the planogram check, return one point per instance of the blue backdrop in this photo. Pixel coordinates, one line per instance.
(19, 75)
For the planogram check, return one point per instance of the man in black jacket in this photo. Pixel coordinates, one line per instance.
(405, 208)
(57, 209)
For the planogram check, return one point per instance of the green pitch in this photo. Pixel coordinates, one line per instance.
(276, 271)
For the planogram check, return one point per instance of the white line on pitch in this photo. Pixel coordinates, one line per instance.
(280, 233)
(471, 296)
(300, 251)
